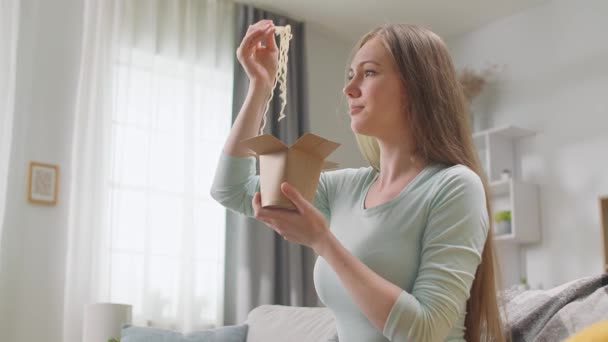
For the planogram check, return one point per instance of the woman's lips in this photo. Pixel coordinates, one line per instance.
(355, 109)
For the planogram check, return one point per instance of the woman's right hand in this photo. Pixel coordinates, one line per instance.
(259, 55)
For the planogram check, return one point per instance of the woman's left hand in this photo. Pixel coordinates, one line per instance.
(306, 225)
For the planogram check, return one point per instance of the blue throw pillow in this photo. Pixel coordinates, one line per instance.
(232, 333)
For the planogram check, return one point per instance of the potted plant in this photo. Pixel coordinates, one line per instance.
(502, 221)
(473, 82)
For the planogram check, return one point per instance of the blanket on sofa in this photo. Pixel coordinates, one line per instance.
(555, 314)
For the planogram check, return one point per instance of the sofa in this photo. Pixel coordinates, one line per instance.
(269, 323)
(266, 323)
(532, 315)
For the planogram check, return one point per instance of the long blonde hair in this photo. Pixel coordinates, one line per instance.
(439, 124)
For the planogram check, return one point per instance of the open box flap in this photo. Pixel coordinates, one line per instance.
(328, 165)
(264, 144)
(316, 145)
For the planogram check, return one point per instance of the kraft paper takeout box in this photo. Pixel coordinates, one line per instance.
(300, 165)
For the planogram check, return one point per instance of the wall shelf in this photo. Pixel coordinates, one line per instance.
(497, 152)
(522, 199)
(496, 149)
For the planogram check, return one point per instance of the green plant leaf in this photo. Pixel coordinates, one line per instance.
(504, 215)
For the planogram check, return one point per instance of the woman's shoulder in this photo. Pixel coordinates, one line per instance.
(451, 180)
(351, 178)
(348, 175)
(456, 175)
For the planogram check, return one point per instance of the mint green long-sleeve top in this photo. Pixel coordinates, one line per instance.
(427, 240)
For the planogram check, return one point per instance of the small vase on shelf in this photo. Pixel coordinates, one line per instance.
(505, 175)
(502, 222)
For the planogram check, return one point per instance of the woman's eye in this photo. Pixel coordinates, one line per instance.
(366, 73)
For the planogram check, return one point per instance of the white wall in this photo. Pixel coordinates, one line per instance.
(34, 242)
(327, 58)
(555, 82)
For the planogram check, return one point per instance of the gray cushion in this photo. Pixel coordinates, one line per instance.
(277, 323)
(233, 333)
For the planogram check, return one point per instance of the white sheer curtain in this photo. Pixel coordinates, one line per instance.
(153, 111)
(9, 26)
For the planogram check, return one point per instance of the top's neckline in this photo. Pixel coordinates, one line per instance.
(406, 189)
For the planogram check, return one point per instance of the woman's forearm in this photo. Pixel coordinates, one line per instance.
(248, 121)
(374, 295)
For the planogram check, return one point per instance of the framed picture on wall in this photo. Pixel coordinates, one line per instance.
(42, 185)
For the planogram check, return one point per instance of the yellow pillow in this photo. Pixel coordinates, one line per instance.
(597, 332)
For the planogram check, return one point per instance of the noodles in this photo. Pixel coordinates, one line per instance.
(285, 36)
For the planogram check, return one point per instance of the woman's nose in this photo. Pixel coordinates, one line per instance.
(351, 90)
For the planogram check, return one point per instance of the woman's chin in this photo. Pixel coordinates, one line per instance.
(357, 127)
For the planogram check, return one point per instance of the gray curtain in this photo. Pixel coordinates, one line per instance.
(261, 267)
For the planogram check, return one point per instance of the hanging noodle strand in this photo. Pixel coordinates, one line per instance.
(285, 35)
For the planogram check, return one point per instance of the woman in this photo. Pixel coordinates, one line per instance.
(409, 253)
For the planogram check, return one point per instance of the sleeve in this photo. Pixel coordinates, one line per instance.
(236, 182)
(452, 244)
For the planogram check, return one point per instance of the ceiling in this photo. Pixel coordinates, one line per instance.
(350, 19)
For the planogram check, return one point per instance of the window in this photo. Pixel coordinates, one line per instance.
(166, 248)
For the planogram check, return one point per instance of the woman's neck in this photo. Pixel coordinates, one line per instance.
(398, 163)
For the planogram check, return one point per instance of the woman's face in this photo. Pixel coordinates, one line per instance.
(376, 97)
